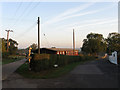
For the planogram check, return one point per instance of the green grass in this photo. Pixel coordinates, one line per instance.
(46, 74)
(11, 59)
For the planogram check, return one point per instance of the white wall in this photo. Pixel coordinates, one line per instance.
(113, 58)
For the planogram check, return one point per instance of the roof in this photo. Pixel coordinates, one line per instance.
(43, 49)
(62, 49)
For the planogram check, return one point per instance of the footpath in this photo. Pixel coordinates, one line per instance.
(8, 69)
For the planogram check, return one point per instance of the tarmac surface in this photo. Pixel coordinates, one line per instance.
(93, 74)
(8, 69)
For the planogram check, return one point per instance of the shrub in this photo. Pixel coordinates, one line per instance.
(5, 55)
(41, 56)
(41, 62)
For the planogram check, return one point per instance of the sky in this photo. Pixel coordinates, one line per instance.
(57, 21)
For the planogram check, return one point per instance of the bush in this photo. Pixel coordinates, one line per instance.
(41, 62)
(5, 55)
(41, 56)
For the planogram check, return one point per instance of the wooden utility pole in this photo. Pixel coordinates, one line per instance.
(73, 42)
(8, 38)
(38, 36)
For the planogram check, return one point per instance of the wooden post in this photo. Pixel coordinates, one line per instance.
(73, 42)
(38, 36)
(8, 38)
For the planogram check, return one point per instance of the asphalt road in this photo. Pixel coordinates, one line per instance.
(94, 74)
(8, 69)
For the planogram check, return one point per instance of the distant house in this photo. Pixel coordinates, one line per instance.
(45, 50)
(22, 51)
(65, 51)
(62, 51)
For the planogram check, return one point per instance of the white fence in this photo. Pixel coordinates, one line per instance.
(113, 58)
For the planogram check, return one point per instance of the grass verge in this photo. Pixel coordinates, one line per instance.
(46, 74)
(11, 59)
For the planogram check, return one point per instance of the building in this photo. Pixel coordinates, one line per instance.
(65, 51)
(62, 51)
(44, 50)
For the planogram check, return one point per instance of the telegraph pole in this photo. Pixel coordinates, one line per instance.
(38, 36)
(8, 37)
(73, 42)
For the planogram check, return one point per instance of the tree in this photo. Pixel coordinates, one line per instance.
(3, 48)
(94, 44)
(113, 42)
(3, 44)
(33, 46)
(13, 47)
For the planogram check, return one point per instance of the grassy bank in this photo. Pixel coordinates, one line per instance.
(11, 59)
(46, 74)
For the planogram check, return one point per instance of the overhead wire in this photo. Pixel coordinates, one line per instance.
(21, 15)
(23, 12)
(29, 12)
(49, 45)
(26, 31)
(32, 9)
(18, 8)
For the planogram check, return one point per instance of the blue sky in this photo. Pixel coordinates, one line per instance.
(58, 19)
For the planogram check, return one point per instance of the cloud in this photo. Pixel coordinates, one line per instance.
(74, 10)
(80, 14)
(66, 14)
(95, 23)
(88, 23)
(71, 13)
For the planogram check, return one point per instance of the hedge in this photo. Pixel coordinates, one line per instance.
(41, 62)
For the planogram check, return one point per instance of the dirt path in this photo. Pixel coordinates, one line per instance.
(94, 74)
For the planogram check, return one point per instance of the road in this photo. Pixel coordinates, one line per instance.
(8, 69)
(94, 74)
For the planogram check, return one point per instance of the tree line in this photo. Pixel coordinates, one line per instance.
(95, 43)
(13, 46)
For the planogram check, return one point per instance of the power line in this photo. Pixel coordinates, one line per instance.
(18, 9)
(26, 31)
(22, 14)
(32, 9)
(49, 45)
(29, 12)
